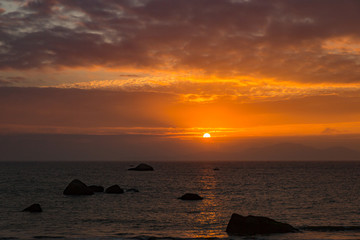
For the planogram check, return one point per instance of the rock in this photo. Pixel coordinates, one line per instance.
(95, 188)
(114, 189)
(190, 196)
(252, 225)
(33, 208)
(132, 190)
(142, 167)
(216, 169)
(77, 187)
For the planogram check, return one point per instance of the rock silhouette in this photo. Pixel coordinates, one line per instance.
(95, 188)
(33, 208)
(142, 167)
(190, 196)
(115, 189)
(77, 187)
(252, 225)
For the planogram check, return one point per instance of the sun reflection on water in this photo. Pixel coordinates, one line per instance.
(208, 216)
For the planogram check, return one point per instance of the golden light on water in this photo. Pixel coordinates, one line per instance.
(206, 135)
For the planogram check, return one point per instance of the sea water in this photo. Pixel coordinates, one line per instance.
(322, 199)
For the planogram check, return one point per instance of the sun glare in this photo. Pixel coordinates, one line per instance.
(206, 135)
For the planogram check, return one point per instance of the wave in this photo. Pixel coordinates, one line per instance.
(173, 238)
(101, 220)
(118, 236)
(331, 228)
(47, 237)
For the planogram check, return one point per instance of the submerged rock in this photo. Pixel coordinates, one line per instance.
(95, 188)
(114, 189)
(33, 208)
(252, 225)
(142, 167)
(190, 196)
(77, 187)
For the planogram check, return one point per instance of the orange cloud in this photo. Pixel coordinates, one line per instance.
(118, 112)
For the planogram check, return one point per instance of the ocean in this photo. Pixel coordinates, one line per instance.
(322, 199)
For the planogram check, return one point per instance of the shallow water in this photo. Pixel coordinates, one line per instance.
(306, 195)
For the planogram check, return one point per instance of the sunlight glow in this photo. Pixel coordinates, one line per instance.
(206, 135)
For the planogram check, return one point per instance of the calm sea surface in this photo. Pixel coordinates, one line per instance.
(315, 197)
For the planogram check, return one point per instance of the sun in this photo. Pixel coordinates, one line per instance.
(206, 135)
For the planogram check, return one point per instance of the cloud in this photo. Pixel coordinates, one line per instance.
(99, 111)
(330, 131)
(11, 81)
(82, 108)
(246, 90)
(284, 40)
(5, 82)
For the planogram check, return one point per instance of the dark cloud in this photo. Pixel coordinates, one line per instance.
(278, 39)
(82, 108)
(42, 7)
(10, 81)
(17, 79)
(330, 131)
(5, 83)
(129, 75)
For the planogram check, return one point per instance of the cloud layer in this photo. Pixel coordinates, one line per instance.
(51, 110)
(178, 67)
(304, 41)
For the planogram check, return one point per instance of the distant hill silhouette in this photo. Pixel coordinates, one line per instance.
(65, 147)
(299, 152)
(283, 152)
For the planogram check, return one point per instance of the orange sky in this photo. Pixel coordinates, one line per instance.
(180, 68)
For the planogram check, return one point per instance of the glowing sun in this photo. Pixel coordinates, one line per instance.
(206, 135)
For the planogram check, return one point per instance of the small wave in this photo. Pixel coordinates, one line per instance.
(47, 237)
(173, 238)
(193, 212)
(331, 228)
(121, 234)
(100, 220)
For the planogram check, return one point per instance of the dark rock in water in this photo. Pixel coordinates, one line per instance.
(216, 169)
(190, 196)
(114, 189)
(33, 208)
(252, 225)
(95, 188)
(142, 167)
(132, 190)
(77, 187)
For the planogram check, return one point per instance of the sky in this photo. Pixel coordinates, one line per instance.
(179, 68)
